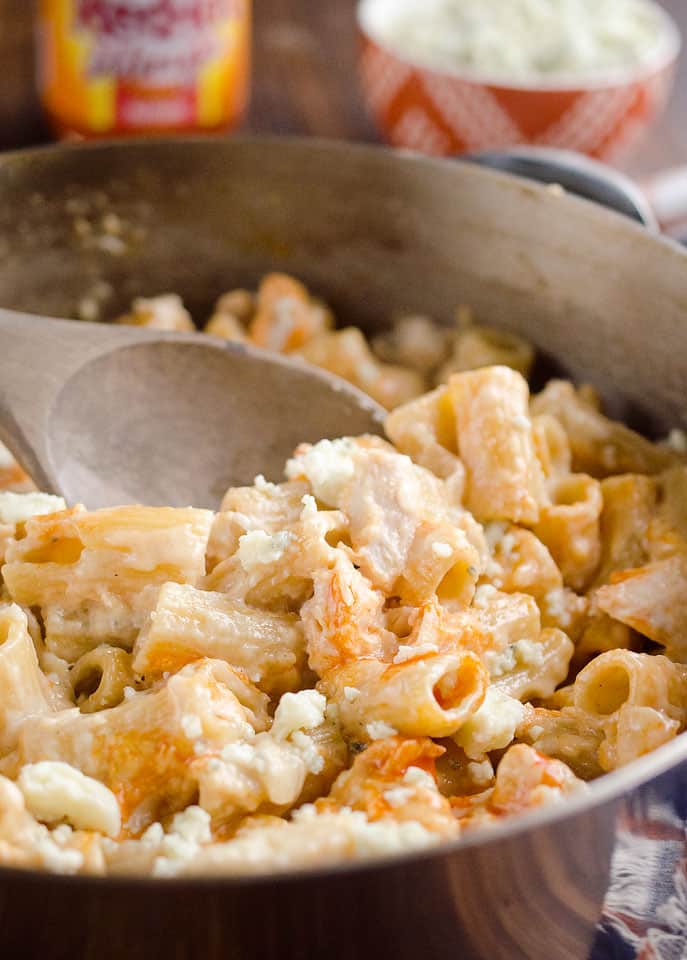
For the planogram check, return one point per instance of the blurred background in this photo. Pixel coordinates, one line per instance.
(304, 80)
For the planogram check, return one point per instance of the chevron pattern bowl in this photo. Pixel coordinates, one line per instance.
(441, 113)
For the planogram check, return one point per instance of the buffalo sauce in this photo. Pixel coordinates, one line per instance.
(122, 67)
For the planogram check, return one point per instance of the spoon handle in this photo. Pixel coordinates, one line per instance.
(37, 357)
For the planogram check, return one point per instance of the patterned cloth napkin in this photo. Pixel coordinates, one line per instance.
(645, 913)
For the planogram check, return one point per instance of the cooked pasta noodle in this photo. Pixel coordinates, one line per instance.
(403, 640)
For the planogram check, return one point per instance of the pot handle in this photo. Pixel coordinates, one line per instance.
(667, 194)
(579, 175)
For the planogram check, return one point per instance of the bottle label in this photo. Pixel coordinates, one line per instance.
(144, 64)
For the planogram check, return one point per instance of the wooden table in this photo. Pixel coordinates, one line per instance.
(304, 78)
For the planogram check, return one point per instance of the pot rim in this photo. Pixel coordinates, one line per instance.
(610, 788)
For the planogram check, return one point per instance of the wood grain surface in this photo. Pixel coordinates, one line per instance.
(304, 79)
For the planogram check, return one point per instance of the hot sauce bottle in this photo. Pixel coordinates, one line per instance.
(126, 67)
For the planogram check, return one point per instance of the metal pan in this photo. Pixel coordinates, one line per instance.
(374, 233)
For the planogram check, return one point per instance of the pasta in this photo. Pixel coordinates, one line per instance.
(404, 640)
(23, 687)
(100, 678)
(505, 480)
(600, 447)
(188, 624)
(95, 576)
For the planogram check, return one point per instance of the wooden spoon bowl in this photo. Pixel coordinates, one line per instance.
(106, 415)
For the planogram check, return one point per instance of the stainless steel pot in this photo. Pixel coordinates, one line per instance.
(374, 233)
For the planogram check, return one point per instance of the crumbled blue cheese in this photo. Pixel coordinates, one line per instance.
(153, 836)
(311, 756)
(58, 859)
(556, 607)
(351, 694)
(240, 753)
(519, 39)
(62, 834)
(492, 727)
(164, 312)
(442, 550)
(378, 730)
(274, 768)
(191, 725)
(298, 711)
(19, 507)
(345, 831)
(388, 835)
(399, 796)
(193, 825)
(370, 839)
(494, 532)
(328, 466)
(500, 662)
(411, 650)
(55, 791)
(259, 548)
(189, 831)
(521, 654)
(264, 486)
(528, 653)
(417, 777)
(309, 506)
(481, 773)
(484, 596)
(508, 545)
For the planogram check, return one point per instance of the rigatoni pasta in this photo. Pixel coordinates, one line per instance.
(187, 624)
(505, 480)
(401, 641)
(23, 687)
(95, 576)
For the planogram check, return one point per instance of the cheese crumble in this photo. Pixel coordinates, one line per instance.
(298, 711)
(259, 548)
(412, 650)
(519, 40)
(493, 726)
(55, 791)
(378, 730)
(328, 466)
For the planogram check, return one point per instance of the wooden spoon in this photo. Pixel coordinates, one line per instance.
(106, 415)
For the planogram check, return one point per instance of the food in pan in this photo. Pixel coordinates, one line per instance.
(403, 640)
(413, 355)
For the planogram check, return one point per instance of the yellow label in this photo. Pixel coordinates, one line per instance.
(114, 66)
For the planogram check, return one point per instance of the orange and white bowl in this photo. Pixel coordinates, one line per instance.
(440, 111)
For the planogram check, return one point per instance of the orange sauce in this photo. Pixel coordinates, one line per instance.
(112, 67)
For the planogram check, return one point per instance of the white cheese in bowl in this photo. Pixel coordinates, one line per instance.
(520, 40)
